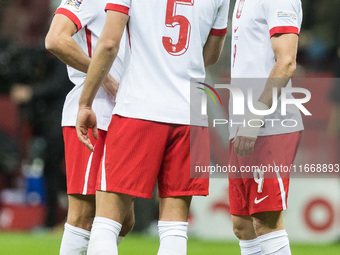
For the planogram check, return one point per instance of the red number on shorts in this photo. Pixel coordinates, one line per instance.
(259, 179)
(173, 20)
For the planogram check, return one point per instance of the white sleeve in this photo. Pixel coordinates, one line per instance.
(283, 16)
(119, 6)
(221, 22)
(81, 12)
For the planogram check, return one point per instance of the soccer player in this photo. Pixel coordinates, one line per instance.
(149, 136)
(73, 34)
(264, 48)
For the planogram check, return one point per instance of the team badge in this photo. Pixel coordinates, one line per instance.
(240, 8)
(282, 14)
(75, 3)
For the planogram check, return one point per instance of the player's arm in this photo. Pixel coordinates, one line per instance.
(212, 49)
(285, 51)
(59, 42)
(103, 57)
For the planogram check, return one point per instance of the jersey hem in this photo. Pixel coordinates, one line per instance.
(125, 191)
(284, 30)
(214, 31)
(246, 213)
(117, 8)
(100, 127)
(184, 122)
(183, 193)
(281, 133)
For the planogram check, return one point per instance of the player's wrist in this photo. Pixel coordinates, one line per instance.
(258, 105)
(84, 104)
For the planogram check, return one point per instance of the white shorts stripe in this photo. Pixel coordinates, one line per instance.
(282, 188)
(103, 182)
(88, 168)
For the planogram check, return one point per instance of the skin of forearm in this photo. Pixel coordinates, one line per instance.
(278, 78)
(104, 55)
(71, 54)
(68, 51)
(212, 50)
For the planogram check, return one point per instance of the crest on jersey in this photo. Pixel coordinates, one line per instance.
(75, 3)
(282, 14)
(240, 8)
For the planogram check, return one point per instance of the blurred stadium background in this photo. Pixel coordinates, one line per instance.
(33, 201)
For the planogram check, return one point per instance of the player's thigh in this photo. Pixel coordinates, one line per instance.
(174, 208)
(133, 156)
(114, 206)
(188, 147)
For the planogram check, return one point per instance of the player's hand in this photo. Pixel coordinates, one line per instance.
(243, 145)
(246, 134)
(111, 85)
(245, 137)
(86, 119)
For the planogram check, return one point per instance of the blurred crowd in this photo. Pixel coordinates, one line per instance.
(319, 44)
(36, 82)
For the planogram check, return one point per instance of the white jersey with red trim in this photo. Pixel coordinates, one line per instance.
(89, 17)
(166, 44)
(254, 23)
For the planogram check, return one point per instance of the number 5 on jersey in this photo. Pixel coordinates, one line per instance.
(172, 20)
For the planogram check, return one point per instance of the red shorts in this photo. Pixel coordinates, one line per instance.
(260, 182)
(138, 152)
(81, 164)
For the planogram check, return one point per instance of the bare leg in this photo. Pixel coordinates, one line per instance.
(81, 211)
(272, 237)
(266, 222)
(110, 214)
(80, 217)
(243, 227)
(128, 222)
(174, 208)
(173, 225)
(113, 206)
(244, 230)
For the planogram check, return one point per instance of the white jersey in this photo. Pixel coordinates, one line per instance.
(89, 17)
(254, 23)
(166, 44)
